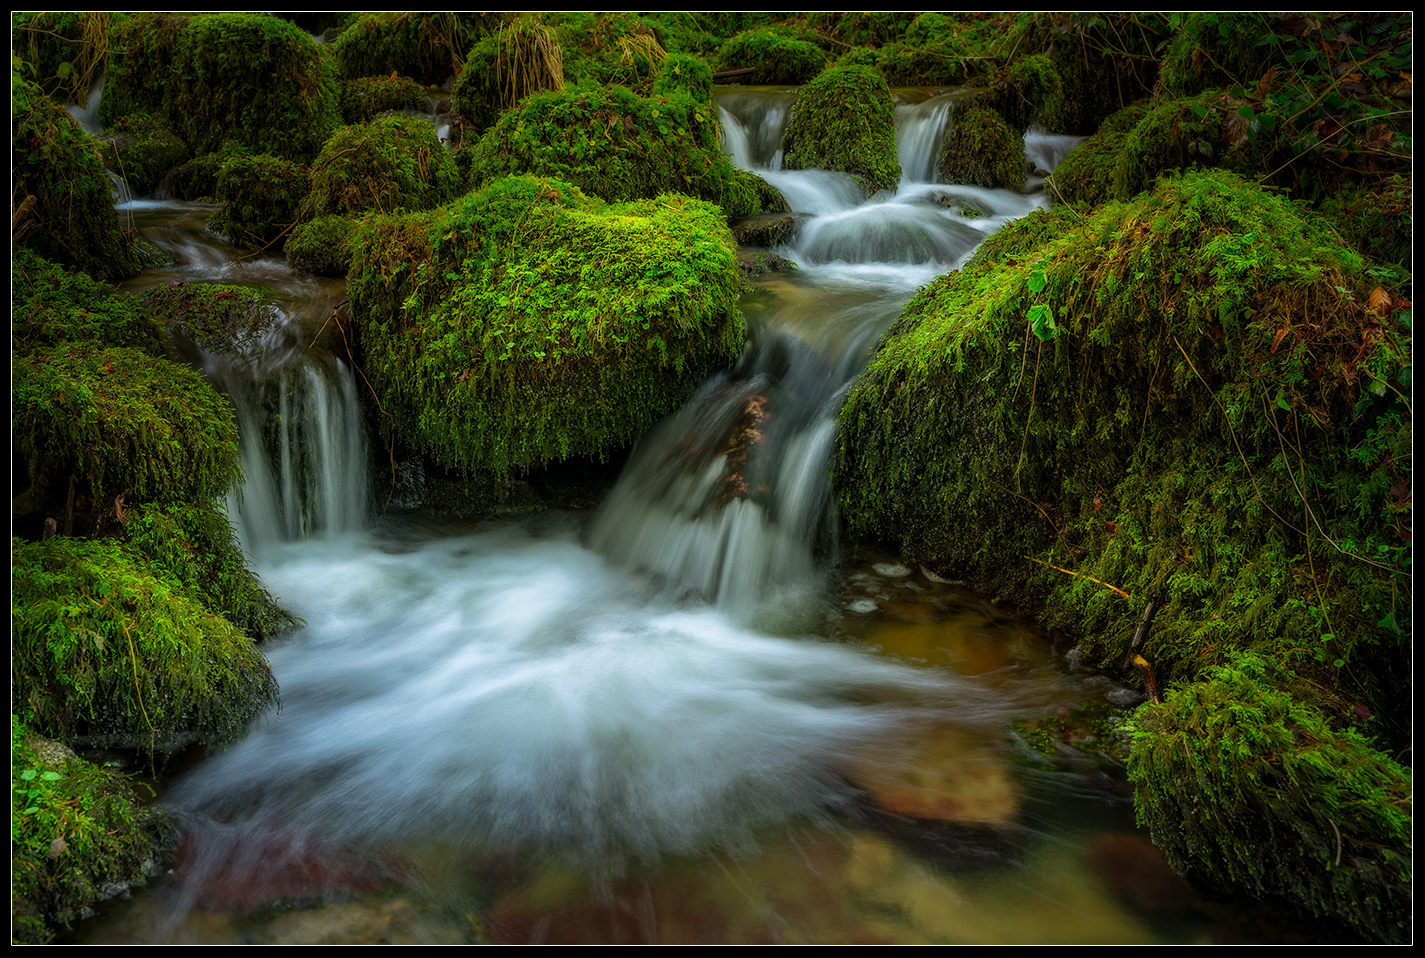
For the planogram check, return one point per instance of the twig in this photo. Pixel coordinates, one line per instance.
(1338, 840)
(1111, 588)
(1141, 632)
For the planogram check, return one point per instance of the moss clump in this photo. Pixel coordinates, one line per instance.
(109, 649)
(981, 148)
(322, 246)
(1217, 50)
(391, 164)
(1026, 91)
(262, 197)
(70, 51)
(504, 68)
(1246, 784)
(72, 220)
(142, 51)
(611, 143)
(53, 304)
(141, 148)
(749, 194)
(1086, 175)
(862, 29)
(844, 120)
(195, 545)
(1177, 134)
(777, 58)
(123, 423)
(429, 47)
(937, 64)
(363, 98)
(231, 320)
(78, 836)
(528, 323)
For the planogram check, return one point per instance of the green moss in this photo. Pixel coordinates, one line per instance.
(198, 180)
(1376, 217)
(362, 98)
(322, 246)
(934, 64)
(1248, 785)
(78, 835)
(141, 148)
(391, 164)
(1217, 50)
(195, 545)
(1177, 134)
(124, 423)
(1026, 92)
(262, 197)
(53, 304)
(429, 47)
(529, 323)
(223, 319)
(611, 143)
(1086, 175)
(72, 220)
(777, 58)
(140, 75)
(521, 58)
(862, 29)
(106, 646)
(980, 148)
(844, 120)
(749, 195)
(70, 51)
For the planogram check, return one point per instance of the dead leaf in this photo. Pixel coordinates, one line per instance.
(1277, 340)
(57, 847)
(1379, 301)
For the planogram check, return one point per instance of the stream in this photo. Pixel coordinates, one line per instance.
(693, 715)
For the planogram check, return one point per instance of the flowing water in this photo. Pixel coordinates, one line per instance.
(693, 715)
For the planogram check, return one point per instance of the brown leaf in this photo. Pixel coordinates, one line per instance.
(1277, 340)
(1379, 301)
(1264, 85)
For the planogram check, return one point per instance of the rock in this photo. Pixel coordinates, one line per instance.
(944, 775)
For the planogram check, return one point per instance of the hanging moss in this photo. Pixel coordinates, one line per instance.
(109, 649)
(1246, 784)
(363, 98)
(844, 120)
(123, 423)
(980, 148)
(72, 220)
(53, 305)
(776, 57)
(78, 835)
(262, 197)
(70, 51)
(393, 163)
(429, 47)
(322, 246)
(141, 148)
(529, 323)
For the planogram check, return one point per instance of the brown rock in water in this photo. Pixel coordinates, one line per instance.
(945, 775)
(764, 229)
(1136, 870)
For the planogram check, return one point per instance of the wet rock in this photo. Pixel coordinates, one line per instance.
(1136, 871)
(764, 229)
(945, 775)
(757, 263)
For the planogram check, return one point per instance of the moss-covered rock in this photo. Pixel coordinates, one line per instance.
(748, 194)
(140, 74)
(1177, 134)
(141, 148)
(78, 836)
(528, 323)
(1218, 50)
(363, 98)
(53, 305)
(429, 47)
(262, 197)
(322, 246)
(109, 650)
(844, 120)
(1086, 175)
(123, 423)
(217, 318)
(862, 29)
(1026, 91)
(612, 143)
(72, 219)
(1244, 781)
(521, 58)
(980, 148)
(391, 164)
(776, 57)
(935, 64)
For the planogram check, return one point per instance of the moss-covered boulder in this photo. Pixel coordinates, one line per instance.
(430, 47)
(980, 148)
(71, 219)
(528, 322)
(775, 58)
(79, 835)
(53, 305)
(262, 197)
(1177, 134)
(612, 143)
(521, 58)
(141, 148)
(1245, 781)
(142, 49)
(844, 120)
(123, 423)
(218, 318)
(1086, 175)
(363, 98)
(1197, 400)
(1026, 91)
(388, 165)
(322, 246)
(109, 650)
(1218, 49)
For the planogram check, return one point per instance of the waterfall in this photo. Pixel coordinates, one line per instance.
(919, 129)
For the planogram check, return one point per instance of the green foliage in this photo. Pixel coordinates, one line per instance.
(430, 47)
(261, 196)
(106, 645)
(231, 320)
(1086, 175)
(124, 423)
(844, 120)
(521, 58)
(70, 51)
(609, 48)
(936, 64)
(1246, 784)
(141, 148)
(362, 98)
(611, 143)
(528, 322)
(72, 220)
(53, 304)
(140, 75)
(393, 163)
(1217, 50)
(862, 29)
(1025, 92)
(683, 33)
(1376, 217)
(322, 246)
(778, 58)
(1177, 134)
(980, 148)
(195, 545)
(77, 831)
